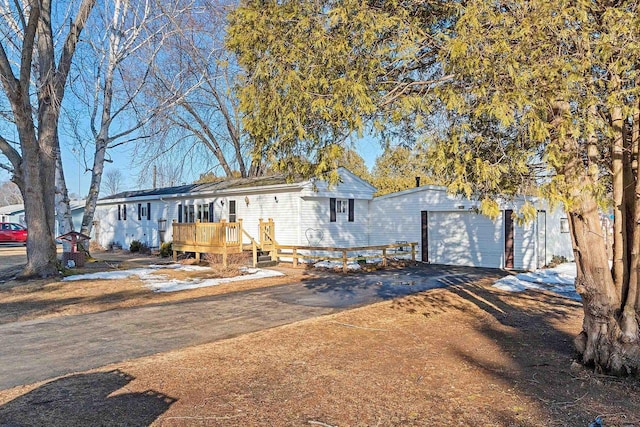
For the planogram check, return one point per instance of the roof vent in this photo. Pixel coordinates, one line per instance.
(417, 181)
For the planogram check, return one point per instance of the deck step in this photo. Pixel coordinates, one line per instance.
(263, 264)
(264, 258)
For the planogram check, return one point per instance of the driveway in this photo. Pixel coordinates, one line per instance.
(12, 257)
(37, 350)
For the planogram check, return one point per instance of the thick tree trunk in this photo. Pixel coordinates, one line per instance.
(38, 172)
(602, 342)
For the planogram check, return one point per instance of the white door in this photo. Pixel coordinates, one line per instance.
(465, 238)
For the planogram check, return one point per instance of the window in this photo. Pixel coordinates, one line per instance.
(122, 212)
(232, 211)
(203, 212)
(143, 211)
(564, 225)
(190, 213)
(341, 207)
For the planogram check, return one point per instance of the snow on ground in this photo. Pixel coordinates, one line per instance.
(559, 280)
(351, 265)
(161, 283)
(354, 265)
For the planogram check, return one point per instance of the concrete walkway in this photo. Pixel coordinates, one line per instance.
(37, 350)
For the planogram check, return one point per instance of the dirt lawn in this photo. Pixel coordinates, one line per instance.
(468, 355)
(51, 298)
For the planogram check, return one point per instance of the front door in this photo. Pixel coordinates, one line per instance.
(508, 238)
(425, 236)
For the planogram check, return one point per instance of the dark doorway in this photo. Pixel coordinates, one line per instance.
(508, 238)
(425, 236)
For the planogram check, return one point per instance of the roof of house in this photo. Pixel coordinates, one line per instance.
(209, 187)
(11, 209)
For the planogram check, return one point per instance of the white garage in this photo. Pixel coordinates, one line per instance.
(449, 230)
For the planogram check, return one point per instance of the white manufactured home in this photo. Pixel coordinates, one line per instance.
(305, 212)
(310, 213)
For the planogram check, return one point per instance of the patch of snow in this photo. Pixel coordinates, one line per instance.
(112, 275)
(351, 265)
(559, 280)
(161, 283)
(174, 285)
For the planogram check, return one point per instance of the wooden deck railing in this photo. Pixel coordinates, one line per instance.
(295, 252)
(207, 237)
(221, 238)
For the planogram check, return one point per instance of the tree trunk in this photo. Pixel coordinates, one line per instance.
(63, 210)
(94, 188)
(605, 341)
(38, 172)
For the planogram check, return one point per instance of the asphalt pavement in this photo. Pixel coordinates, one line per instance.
(37, 350)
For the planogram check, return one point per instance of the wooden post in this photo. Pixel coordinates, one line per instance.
(223, 222)
(295, 257)
(197, 256)
(254, 248)
(344, 261)
(384, 257)
(413, 252)
(175, 256)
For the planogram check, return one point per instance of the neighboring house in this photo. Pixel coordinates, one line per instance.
(310, 213)
(305, 212)
(15, 213)
(12, 213)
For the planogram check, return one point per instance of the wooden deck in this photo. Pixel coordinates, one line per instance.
(220, 238)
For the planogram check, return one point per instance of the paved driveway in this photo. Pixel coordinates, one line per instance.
(12, 257)
(36, 350)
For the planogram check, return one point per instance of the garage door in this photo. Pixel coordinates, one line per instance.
(464, 238)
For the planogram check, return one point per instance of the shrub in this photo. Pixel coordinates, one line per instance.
(166, 249)
(136, 246)
(557, 260)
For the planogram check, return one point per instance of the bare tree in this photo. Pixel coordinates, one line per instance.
(113, 180)
(161, 174)
(9, 194)
(34, 86)
(122, 50)
(204, 125)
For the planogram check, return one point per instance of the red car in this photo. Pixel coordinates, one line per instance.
(12, 233)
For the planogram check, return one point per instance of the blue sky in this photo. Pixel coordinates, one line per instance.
(78, 178)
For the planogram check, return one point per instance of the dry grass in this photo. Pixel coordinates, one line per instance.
(52, 298)
(467, 355)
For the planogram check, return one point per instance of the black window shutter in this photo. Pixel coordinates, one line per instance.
(148, 210)
(119, 213)
(211, 212)
(351, 209)
(139, 211)
(179, 213)
(124, 212)
(332, 209)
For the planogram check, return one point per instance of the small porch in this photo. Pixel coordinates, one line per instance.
(221, 238)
